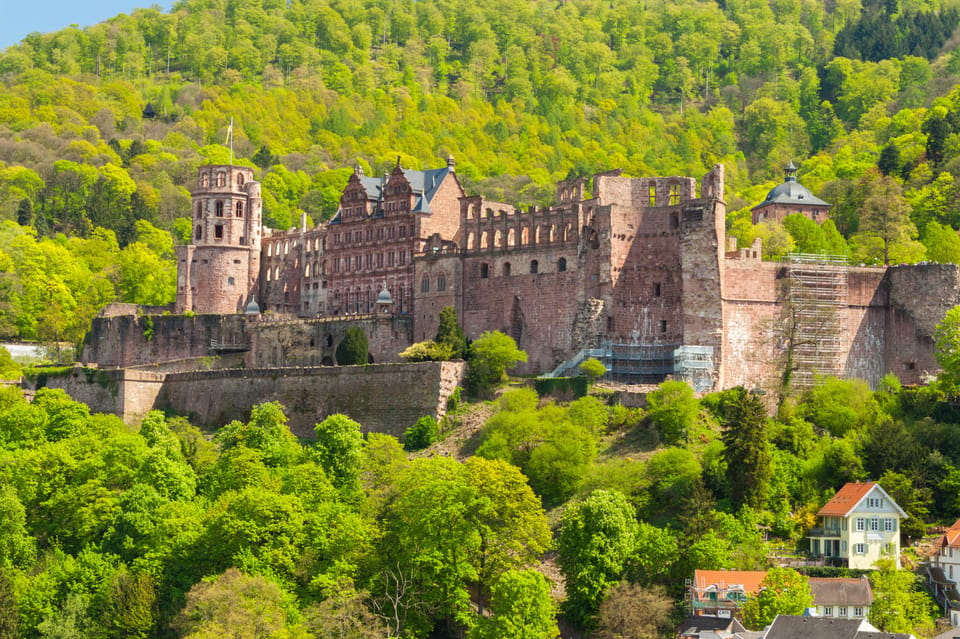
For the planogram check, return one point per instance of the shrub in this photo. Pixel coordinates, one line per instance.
(353, 349)
(422, 434)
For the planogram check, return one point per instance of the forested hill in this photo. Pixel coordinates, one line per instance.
(521, 93)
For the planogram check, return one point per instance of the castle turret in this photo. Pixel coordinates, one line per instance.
(219, 272)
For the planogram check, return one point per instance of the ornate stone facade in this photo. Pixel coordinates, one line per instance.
(635, 271)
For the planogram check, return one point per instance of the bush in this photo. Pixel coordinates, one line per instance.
(428, 351)
(562, 388)
(490, 357)
(422, 434)
(593, 368)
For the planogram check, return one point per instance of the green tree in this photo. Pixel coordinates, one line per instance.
(593, 368)
(235, 604)
(596, 539)
(899, 604)
(674, 409)
(491, 355)
(942, 243)
(947, 339)
(885, 217)
(521, 607)
(450, 333)
(353, 349)
(746, 450)
(840, 405)
(130, 606)
(339, 448)
(783, 591)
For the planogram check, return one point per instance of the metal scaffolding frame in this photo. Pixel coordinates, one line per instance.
(817, 297)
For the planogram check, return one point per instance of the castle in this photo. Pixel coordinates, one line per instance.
(637, 272)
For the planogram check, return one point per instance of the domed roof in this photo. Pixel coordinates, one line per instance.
(384, 296)
(252, 308)
(791, 192)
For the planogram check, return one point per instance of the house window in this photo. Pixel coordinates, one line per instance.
(860, 549)
(858, 612)
(888, 549)
(842, 611)
(828, 611)
(889, 525)
(199, 209)
(874, 524)
(874, 502)
(861, 524)
(230, 281)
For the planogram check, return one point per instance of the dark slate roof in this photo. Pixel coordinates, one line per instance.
(881, 635)
(791, 192)
(841, 591)
(791, 627)
(423, 183)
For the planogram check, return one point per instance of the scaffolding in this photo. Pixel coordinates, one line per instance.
(639, 364)
(694, 365)
(817, 316)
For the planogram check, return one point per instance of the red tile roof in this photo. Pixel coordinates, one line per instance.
(950, 537)
(723, 579)
(845, 499)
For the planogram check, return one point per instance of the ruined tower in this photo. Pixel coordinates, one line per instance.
(219, 271)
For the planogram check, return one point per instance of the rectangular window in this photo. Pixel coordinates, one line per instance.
(828, 611)
(218, 231)
(656, 289)
(858, 612)
(663, 326)
(889, 525)
(861, 524)
(874, 524)
(860, 549)
(403, 257)
(842, 611)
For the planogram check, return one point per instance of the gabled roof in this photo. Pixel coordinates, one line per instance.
(950, 537)
(424, 183)
(841, 591)
(849, 497)
(724, 579)
(794, 627)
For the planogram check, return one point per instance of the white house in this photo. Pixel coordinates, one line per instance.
(943, 571)
(860, 525)
(841, 597)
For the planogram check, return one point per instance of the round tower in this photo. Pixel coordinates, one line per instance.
(218, 272)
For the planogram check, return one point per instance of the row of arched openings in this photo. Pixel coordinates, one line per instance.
(511, 239)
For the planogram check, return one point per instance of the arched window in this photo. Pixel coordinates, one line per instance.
(239, 179)
(218, 208)
(276, 273)
(511, 237)
(485, 239)
(306, 270)
(221, 178)
(498, 239)
(525, 236)
(199, 233)
(203, 180)
(238, 209)
(534, 266)
(268, 274)
(471, 241)
(562, 264)
(441, 282)
(425, 284)
(506, 269)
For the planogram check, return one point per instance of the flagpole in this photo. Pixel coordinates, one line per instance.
(230, 135)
